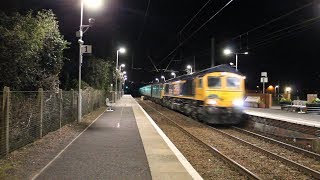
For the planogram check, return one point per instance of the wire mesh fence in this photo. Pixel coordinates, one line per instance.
(26, 116)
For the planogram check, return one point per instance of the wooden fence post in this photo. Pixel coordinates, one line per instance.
(7, 118)
(40, 101)
(60, 103)
(3, 123)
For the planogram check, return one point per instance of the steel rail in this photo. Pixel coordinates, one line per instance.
(213, 150)
(300, 167)
(285, 145)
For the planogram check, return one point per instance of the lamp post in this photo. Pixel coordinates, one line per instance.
(288, 92)
(164, 79)
(275, 91)
(190, 67)
(93, 4)
(122, 66)
(173, 74)
(121, 50)
(228, 52)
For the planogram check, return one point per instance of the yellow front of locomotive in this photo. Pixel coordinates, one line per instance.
(223, 89)
(223, 96)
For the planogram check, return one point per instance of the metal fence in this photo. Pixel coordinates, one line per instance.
(26, 116)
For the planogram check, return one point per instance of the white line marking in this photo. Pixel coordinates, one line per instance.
(118, 124)
(194, 174)
(57, 156)
(284, 118)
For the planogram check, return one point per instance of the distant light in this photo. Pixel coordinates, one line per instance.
(124, 72)
(231, 64)
(277, 86)
(123, 65)
(238, 102)
(246, 53)
(122, 50)
(125, 76)
(189, 67)
(227, 51)
(157, 79)
(162, 77)
(93, 4)
(288, 89)
(173, 73)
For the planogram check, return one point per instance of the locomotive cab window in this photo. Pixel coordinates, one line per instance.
(200, 83)
(214, 82)
(166, 88)
(233, 82)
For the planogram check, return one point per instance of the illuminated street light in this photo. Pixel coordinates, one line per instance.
(277, 93)
(157, 79)
(288, 89)
(122, 51)
(162, 77)
(229, 51)
(91, 3)
(189, 67)
(124, 72)
(173, 74)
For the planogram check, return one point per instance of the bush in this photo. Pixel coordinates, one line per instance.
(285, 101)
(316, 101)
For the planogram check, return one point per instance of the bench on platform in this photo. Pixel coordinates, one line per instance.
(296, 106)
(252, 101)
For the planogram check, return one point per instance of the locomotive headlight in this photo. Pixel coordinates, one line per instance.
(211, 102)
(238, 102)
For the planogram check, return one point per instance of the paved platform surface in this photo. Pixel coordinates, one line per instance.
(123, 144)
(293, 117)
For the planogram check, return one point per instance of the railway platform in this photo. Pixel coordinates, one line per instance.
(123, 144)
(311, 120)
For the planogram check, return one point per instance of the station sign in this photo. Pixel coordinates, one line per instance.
(264, 80)
(86, 49)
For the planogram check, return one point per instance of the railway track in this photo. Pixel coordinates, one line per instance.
(279, 161)
(212, 149)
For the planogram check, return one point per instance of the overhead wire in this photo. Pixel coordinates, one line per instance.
(194, 16)
(221, 9)
(273, 20)
(144, 21)
(308, 21)
(283, 35)
(275, 37)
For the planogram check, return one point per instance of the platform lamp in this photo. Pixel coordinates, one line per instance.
(228, 51)
(277, 92)
(173, 74)
(122, 51)
(288, 92)
(164, 78)
(189, 67)
(92, 4)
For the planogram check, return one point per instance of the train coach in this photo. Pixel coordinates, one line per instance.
(214, 95)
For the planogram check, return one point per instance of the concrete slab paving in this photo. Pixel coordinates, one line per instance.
(110, 149)
(123, 144)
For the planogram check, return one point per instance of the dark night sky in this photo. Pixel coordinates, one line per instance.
(289, 60)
